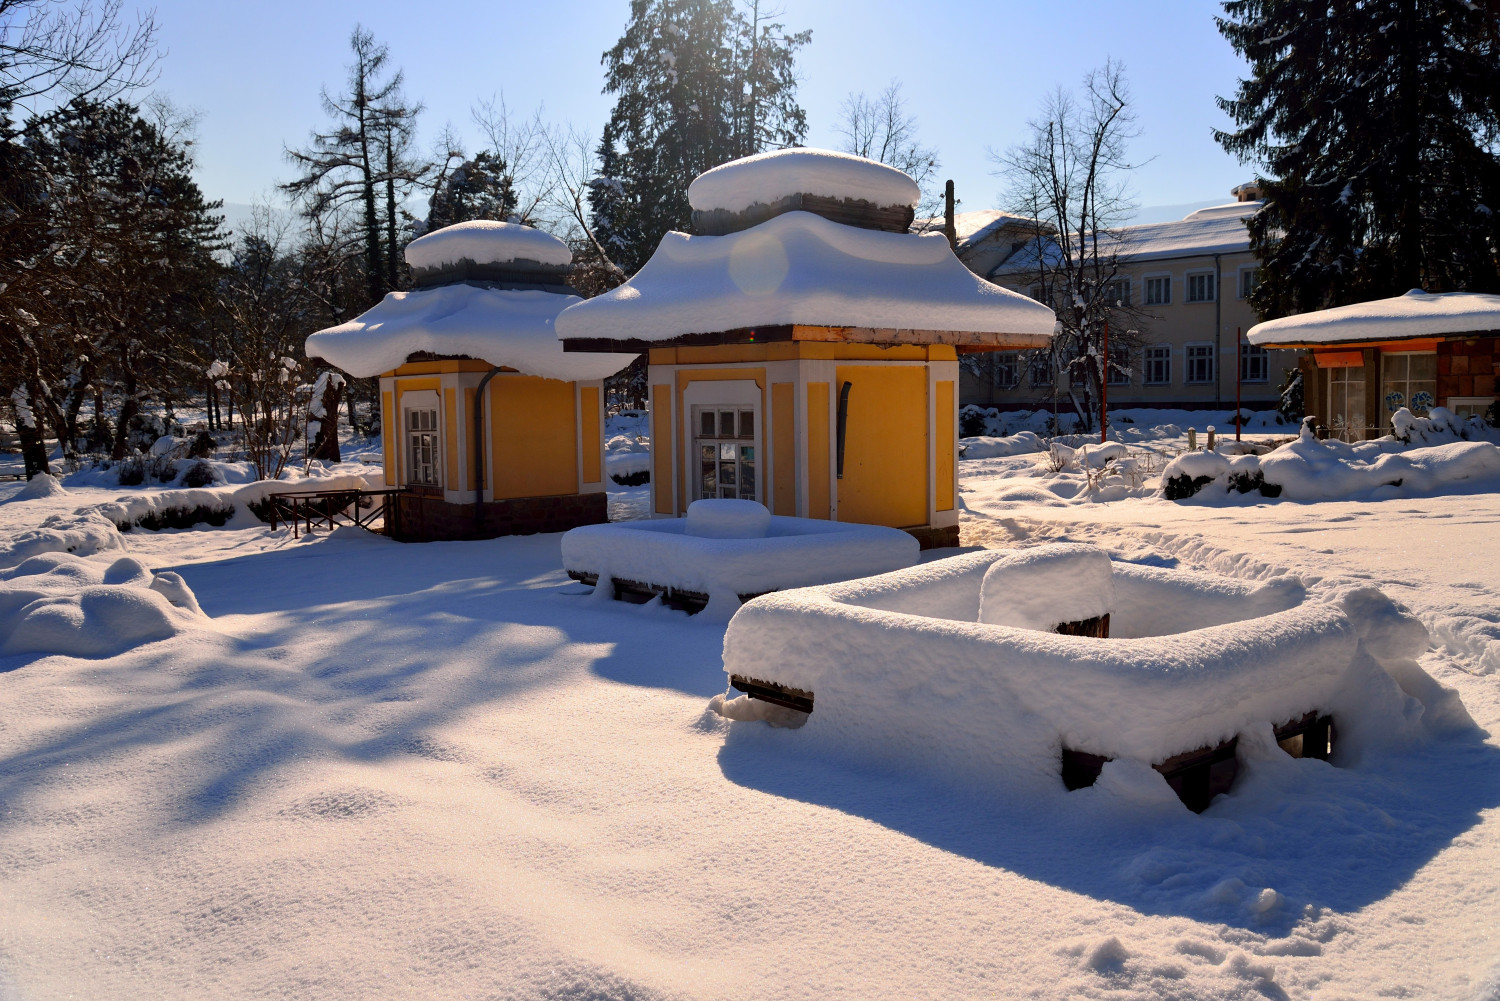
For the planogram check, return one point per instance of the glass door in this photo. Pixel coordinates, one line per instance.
(724, 446)
(422, 447)
(1346, 403)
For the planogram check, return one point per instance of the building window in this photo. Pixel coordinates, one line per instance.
(1159, 291)
(1249, 280)
(1117, 292)
(1255, 363)
(1007, 369)
(1119, 366)
(1200, 287)
(1346, 403)
(1040, 368)
(1157, 363)
(1409, 379)
(1037, 292)
(422, 447)
(1200, 363)
(725, 450)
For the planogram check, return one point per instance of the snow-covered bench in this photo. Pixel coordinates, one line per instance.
(728, 551)
(954, 667)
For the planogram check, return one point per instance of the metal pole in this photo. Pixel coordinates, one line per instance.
(1239, 374)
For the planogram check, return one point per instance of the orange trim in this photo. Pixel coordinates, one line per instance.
(1339, 359)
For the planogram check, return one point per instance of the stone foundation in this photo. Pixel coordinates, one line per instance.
(934, 538)
(428, 518)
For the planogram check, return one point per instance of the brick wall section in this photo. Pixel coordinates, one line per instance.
(1468, 367)
(426, 518)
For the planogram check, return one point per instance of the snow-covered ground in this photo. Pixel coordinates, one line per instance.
(443, 770)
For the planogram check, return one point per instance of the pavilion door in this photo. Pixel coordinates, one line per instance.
(726, 461)
(1346, 403)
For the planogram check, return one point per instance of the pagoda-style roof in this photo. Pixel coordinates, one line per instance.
(1417, 315)
(797, 271)
(486, 290)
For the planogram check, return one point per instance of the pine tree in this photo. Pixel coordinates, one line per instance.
(1377, 122)
(479, 188)
(697, 84)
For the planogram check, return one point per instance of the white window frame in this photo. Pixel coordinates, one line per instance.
(1113, 283)
(421, 401)
(1188, 359)
(1147, 360)
(1007, 361)
(1113, 376)
(1249, 352)
(730, 394)
(1385, 356)
(1187, 295)
(1245, 273)
(1146, 281)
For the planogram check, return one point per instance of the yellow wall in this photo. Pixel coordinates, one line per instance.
(393, 420)
(886, 445)
(468, 417)
(388, 436)
(663, 407)
(817, 450)
(947, 446)
(534, 437)
(593, 444)
(784, 447)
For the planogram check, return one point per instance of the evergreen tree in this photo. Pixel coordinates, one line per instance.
(480, 188)
(1377, 121)
(697, 84)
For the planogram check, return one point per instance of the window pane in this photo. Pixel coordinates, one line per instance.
(707, 472)
(726, 451)
(706, 453)
(706, 423)
(726, 474)
(1423, 366)
(726, 423)
(747, 424)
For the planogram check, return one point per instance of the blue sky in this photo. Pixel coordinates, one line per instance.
(973, 73)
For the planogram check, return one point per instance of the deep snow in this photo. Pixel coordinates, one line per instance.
(442, 770)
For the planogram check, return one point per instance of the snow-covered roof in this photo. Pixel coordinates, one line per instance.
(504, 327)
(485, 241)
(768, 177)
(1415, 314)
(799, 268)
(971, 227)
(1219, 229)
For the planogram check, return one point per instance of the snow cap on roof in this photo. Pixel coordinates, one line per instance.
(485, 241)
(509, 328)
(1415, 314)
(799, 268)
(768, 177)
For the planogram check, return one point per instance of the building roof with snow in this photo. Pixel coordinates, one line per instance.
(1417, 314)
(486, 290)
(1219, 229)
(801, 269)
(805, 238)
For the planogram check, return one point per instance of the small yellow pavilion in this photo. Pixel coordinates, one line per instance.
(804, 344)
(528, 456)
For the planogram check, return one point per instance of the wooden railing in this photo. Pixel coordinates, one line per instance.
(305, 510)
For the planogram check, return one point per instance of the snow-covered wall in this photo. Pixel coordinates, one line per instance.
(903, 673)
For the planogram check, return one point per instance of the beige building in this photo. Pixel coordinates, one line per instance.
(1190, 278)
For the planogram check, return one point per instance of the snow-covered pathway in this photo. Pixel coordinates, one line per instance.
(444, 770)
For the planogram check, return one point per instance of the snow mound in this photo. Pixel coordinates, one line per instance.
(768, 177)
(997, 447)
(83, 533)
(58, 603)
(791, 552)
(1041, 587)
(799, 268)
(510, 328)
(1415, 314)
(726, 518)
(485, 241)
(40, 486)
(1312, 470)
(903, 672)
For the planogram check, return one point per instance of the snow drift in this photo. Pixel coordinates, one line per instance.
(59, 603)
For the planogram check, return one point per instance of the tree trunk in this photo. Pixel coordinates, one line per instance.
(392, 266)
(33, 445)
(326, 445)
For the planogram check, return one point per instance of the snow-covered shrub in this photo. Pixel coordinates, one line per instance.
(1439, 427)
(972, 422)
(83, 532)
(1190, 472)
(201, 474)
(131, 472)
(203, 446)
